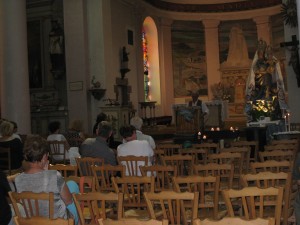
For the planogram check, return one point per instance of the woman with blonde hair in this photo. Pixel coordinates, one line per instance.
(8, 140)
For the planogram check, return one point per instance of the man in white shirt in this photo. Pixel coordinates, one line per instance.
(197, 102)
(137, 122)
(134, 147)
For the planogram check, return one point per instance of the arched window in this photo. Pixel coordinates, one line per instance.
(151, 61)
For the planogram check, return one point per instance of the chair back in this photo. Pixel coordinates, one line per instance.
(272, 166)
(163, 175)
(42, 220)
(133, 221)
(270, 179)
(65, 170)
(103, 175)
(184, 163)
(57, 151)
(173, 206)
(85, 183)
(5, 160)
(208, 188)
(211, 147)
(84, 165)
(133, 189)
(34, 204)
(254, 202)
(199, 154)
(278, 155)
(235, 220)
(132, 164)
(95, 205)
(245, 151)
(252, 144)
(169, 148)
(224, 171)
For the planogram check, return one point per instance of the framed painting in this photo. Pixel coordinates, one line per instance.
(189, 59)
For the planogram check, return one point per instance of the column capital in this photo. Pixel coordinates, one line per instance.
(211, 23)
(261, 20)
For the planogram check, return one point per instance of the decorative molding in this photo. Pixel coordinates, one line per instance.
(210, 8)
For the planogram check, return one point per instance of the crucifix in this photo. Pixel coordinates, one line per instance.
(294, 59)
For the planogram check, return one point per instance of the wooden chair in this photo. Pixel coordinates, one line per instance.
(224, 171)
(208, 188)
(283, 147)
(158, 153)
(132, 221)
(32, 203)
(85, 183)
(169, 149)
(278, 155)
(236, 159)
(284, 141)
(134, 203)
(270, 179)
(163, 176)
(211, 147)
(95, 205)
(57, 151)
(235, 220)
(245, 151)
(184, 163)
(65, 170)
(272, 166)
(133, 163)
(173, 206)
(252, 144)
(254, 202)
(42, 220)
(84, 165)
(5, 160)
(199, 154)
(103, 175)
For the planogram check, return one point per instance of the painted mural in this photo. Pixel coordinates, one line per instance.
(189, 64)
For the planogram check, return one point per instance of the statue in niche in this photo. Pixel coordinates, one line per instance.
(56, 49)
(238, 50)
(124, 62)
(265, 83)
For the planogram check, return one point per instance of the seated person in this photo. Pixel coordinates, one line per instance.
(98, 147)
(5, 212)
(137, 122)
(54, 129)
(8, 140)
(37, 178)
(134, 147)
(197, 102)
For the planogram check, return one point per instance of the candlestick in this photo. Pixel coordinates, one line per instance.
(285, 124)
(289, 121)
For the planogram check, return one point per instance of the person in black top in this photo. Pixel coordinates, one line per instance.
(5, 212)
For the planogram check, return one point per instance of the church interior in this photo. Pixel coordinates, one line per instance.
(72, 60)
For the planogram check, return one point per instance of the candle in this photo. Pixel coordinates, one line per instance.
(199, 135)
(231, 128)
(204, 137)
(218, 129)
(212, 129)
(289, 121)
(285, 124)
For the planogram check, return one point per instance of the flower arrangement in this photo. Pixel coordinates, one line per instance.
(222, 91)
(261, 108)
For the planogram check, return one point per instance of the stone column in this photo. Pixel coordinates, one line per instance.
(15, 97)
(212, 53)
(166, 67)
(263, 28)
(298, 15)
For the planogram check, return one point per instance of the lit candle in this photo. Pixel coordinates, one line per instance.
(231, 128)
(204, 137)
(212, 129)
(218, 129)
(199, 135)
